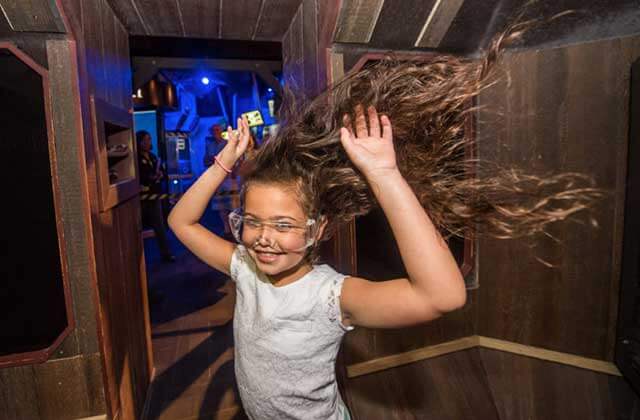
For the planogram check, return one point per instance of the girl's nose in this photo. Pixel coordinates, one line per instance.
(264, 236)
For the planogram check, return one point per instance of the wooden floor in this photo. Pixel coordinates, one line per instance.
(191, 315)
(485, 384)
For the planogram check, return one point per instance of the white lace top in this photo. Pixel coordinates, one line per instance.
(286, 342)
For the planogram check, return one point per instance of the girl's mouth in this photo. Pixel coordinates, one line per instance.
(266, 257)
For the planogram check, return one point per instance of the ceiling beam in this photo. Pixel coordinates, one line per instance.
(438, 23)
(33, 16)
(144, 68)
(357, 20)
(267, 76)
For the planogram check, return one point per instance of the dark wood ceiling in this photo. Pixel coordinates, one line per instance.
(259, 20)
(457, 26)
(466, 26)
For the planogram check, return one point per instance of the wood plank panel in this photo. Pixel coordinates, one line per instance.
(399, 23)
(201, 18)
(72, 9)
(526, 388)
(74, 205)
(130, 15)
(309, 19)
(239, 18)
(129, 226)
(161, 17)
(274, 19)
(104, 69)
(122, 84)
(18, 393)
(438, 23)
(32, 16)
(106, 238)
(110, 78)
(450, 387)
(363, 344)
(92, 31)
(490, 384)
(69, 388)
(357, 20)
(564, 110)
(293, 56)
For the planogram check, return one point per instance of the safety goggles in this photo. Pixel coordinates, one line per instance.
(282, 235)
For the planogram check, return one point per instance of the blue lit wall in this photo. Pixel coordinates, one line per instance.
(146, 120)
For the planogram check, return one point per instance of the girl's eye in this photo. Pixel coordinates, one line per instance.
(252, 223)
(283, 227)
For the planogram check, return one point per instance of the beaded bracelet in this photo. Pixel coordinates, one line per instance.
(224, 168)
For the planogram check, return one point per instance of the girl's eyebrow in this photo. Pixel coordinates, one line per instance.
(273, 217)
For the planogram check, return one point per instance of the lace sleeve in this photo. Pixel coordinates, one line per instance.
(236, 261)
(333, 303)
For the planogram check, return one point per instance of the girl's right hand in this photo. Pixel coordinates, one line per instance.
(237, 142)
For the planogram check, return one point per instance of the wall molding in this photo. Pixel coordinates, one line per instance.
(428, 352)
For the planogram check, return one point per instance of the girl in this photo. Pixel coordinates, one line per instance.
(331, 161)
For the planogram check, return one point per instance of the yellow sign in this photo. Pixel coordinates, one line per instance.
(254, 118)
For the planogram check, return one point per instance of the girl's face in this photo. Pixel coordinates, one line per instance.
(274, 245)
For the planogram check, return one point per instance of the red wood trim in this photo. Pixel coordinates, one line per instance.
(63, 16)
(44, 354)
(405, 56)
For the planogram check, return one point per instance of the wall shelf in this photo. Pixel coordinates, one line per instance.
(115, 154)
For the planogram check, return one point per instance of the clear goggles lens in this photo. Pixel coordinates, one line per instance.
(282, 235)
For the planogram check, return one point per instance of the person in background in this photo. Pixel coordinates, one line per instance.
(213, 144)
(151, 175)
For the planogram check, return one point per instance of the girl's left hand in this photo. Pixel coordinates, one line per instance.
(370, 149)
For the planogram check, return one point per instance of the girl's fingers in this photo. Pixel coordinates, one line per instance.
(346, 138)
(374, 124)
(387, 133)
(361, 123)
(346, 121)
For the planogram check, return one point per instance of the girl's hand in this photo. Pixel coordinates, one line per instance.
(370, 149)
(237, 142)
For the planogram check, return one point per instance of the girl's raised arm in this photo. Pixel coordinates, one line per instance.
(435, 284)
(184, 219)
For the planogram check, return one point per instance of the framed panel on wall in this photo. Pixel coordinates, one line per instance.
(35, 296)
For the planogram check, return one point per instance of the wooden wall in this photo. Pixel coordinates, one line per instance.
(70, 383)
(104, 69)
(561, 109)
(566, 109)
(305, 45)
(489, 384)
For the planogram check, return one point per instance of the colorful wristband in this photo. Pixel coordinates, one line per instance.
(224, 168)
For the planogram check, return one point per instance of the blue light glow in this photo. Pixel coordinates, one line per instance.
(269, 90)
(205, 80)
(175, 181)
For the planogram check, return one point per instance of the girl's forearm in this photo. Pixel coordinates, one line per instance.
(191, 206)
(429, 263)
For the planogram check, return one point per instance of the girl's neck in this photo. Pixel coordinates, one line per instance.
(291, 275)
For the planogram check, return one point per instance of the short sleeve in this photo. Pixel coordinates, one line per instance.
(333, 303)
(238, 259)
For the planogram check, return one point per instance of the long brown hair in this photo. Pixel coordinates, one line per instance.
(428, 105)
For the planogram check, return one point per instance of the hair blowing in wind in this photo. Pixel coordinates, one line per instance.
(428, 105)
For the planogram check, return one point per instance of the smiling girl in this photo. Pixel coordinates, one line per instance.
(330, 162)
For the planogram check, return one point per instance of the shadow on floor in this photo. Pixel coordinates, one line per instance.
(191, 307)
